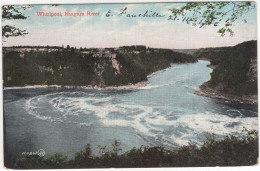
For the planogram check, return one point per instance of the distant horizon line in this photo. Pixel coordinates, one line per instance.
(124, 45)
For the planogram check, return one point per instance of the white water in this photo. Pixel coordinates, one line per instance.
(165, 112)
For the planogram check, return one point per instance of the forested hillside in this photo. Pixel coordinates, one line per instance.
(235, 70)
(82, 67)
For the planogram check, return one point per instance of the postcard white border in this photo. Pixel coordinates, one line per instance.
(4, 2)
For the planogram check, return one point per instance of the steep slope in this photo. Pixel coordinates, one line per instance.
(85, 67)
(235, 73)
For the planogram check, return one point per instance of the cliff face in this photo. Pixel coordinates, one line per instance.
(235, 73)
(83, 67)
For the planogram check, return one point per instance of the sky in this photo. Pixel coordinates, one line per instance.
(114, 31)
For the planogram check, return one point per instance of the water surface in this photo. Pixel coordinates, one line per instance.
(164, 113)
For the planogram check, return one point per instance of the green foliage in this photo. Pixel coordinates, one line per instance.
(83, 159)
(134, 48)
(232, 73)
(57, 161)
(136, 67)
(47, 68)
(116, 147)
(13, 12)
(70, 67)
(159, 59)
(111, 78)
(231, 151)
(232, 69)
(10, 31)
(132, 68)
(204, 14)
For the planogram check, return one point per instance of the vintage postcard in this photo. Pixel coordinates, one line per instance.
(130, 85)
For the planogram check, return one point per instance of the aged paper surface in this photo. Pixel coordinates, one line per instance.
(129, 85)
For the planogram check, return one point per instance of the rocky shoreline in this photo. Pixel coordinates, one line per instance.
(206, 91)
(90, 87)
(125, 87)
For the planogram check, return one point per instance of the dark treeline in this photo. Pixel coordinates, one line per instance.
(45, 68)
(236, 68)
(53, 47)
(231, 151)
(70, 66)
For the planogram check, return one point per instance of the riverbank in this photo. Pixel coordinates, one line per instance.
(156, 72)
(125, 87)
(89, 87)
(231, 151)
(147, 117)
(236, 72)
(206, 91)
(204, 59)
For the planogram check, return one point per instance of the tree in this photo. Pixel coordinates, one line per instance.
(204, 14)
(13, 12)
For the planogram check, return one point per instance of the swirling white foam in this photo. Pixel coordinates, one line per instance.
(148, 120)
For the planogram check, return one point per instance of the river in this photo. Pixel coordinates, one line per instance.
(165, 113)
